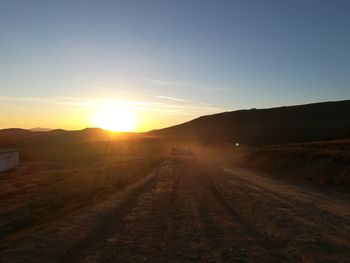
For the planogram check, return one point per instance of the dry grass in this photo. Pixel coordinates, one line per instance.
(326, 163)
(60, 177)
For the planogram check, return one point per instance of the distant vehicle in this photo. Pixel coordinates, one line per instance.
(181, 151)
(8, 159)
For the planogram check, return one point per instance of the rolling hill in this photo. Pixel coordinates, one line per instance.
(290, 124)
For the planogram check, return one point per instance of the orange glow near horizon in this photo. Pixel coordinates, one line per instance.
(114, 116)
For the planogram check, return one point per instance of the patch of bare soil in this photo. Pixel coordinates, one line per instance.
(186, 210)
(324, 163)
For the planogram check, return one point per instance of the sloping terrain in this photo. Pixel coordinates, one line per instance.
(187, 210)
(303, 123)
(73, 146)
(326, 163)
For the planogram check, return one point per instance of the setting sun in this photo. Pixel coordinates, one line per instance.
(114, 116)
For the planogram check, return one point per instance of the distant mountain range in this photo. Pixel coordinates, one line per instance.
(302, 123)
(39, 129)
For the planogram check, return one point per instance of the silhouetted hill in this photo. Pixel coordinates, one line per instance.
(15, 136)
(70, 145)
(40, 129)
(14, 132)
(302, 123)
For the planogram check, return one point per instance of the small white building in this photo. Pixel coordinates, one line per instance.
(9, 159)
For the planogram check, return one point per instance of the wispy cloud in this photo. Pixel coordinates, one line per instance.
(175, 106)
(215, 89)
(188, 109)
(187, 84)
(173, 99)
(59, 101)
(159, 82)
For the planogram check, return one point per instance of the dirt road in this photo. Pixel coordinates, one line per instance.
(190, 211)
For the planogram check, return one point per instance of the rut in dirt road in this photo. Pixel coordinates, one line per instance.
(196, 212)
(187, 210)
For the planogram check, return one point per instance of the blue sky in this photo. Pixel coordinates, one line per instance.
(194, 57)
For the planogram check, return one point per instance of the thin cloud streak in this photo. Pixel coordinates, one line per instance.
(173, 99)
(187, 84)
(178, 106)
(159, 82)
(72, 102)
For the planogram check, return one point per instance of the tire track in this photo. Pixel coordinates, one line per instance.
(111, 222)
(227, 233)
(281, 221)
(189, 211)
(276, 251)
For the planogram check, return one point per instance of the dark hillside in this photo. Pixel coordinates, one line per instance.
(302, 123)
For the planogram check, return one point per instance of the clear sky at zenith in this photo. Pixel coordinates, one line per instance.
(169, 61)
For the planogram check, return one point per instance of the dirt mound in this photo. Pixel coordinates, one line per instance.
(326, 163)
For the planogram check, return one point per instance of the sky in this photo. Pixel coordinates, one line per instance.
(167, 61)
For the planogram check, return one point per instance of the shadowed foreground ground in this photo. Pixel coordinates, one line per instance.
(186, 210)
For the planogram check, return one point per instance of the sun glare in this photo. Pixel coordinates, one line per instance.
(114, 116)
